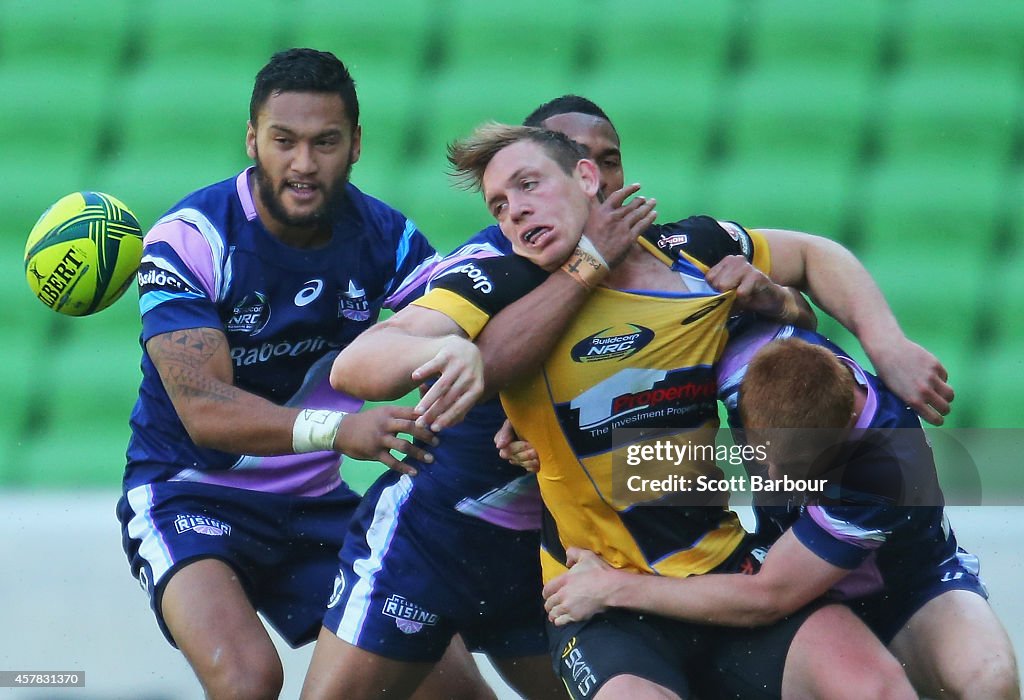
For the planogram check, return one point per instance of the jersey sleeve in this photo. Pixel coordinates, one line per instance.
(701, 242)
(845, 536)
(178, 279)
(415, 259)
(472, 290)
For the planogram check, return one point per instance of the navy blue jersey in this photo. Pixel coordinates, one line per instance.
(866, 520)
(286, 312)
(467, 474)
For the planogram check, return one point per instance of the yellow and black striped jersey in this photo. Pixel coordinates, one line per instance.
(633, 365)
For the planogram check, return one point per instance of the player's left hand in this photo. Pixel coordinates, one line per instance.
(583, 591)
(916, 376)
(614, 225)
(518, 453)
(755, 291)
(460, 383)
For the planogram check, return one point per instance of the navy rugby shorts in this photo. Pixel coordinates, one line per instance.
(283, 548)
(413, 573)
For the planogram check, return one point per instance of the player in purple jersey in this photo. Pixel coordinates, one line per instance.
(820, 417)
(233, 499)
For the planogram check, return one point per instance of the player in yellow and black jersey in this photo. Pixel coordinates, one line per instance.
(542, 196)
(631, 365)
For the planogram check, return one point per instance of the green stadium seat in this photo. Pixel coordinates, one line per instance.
(166, 109)
(1004, 295)
(82, 39)
(51, 110)
(680, 40)
(930, 291)
(535, 37)
(458, 101)
(954, 34)
(805, 196)
(811, 113)
(920, 206)
(953, 113)
(1002, 388)
(366, 36)
(447, 215)
(390, 107)
(795, 34)
(195, 36)
(661, 113)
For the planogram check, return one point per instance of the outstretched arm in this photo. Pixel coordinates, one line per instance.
(196, 372)
(791, 577)
(839, 284)
(392, 358)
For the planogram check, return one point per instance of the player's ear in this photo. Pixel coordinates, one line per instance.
(589, 175)
(357, 143)
(250, 140)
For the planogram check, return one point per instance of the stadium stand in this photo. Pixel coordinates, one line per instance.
(895, 127)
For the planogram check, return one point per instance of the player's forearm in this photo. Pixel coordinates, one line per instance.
(378, 365)
(837, 282)
(733, 600)
(222, 417)
(521, 336)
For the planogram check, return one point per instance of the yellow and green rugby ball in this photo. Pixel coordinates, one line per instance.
(83, 253)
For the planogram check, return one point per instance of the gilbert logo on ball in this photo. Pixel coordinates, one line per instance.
(83, 253)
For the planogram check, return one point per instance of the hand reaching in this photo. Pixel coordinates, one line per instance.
(519, 453)
(613, 227)
(583, 591)
(916, 376)
(460, 383)
(373, 433)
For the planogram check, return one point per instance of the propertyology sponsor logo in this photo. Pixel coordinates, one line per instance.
(250, 315)
(201, 524)
(352, 303)
(309, 292)
(612, 343)
(409, 617)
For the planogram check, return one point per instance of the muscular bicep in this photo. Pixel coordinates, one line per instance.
(421, 322)
(194, 365)
(788, 254)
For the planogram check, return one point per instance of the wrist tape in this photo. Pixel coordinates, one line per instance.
(586, 265)
(315, 430)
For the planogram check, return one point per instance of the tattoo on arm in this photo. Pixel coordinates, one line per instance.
(181, 357)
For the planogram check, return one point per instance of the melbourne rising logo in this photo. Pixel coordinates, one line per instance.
(352, 303)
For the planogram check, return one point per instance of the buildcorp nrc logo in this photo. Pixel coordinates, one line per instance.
(614, 343)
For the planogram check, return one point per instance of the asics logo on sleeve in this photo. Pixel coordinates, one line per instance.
(309, 293)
